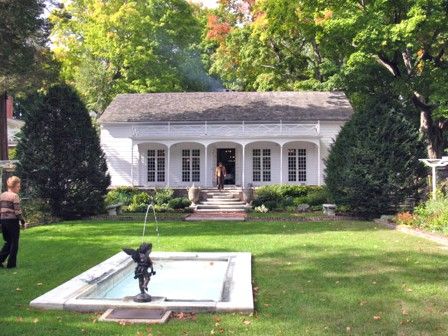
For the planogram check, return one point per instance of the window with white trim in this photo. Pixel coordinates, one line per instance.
(191, 165)
(156, 165)
(261, 165)
(297, 165)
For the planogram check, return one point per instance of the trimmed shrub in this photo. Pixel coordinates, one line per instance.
(121, 195)
(179, 203)
(280, 197)
(37, 211)
(317, 197)
(139, 202)
(373, 165)
(163, 195)
(60, 157)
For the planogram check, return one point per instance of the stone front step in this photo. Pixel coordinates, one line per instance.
(222, 198)
(220, 193)
(217, 190)
(221, 206)
(221, 216)
(222, 201)
(220, 210)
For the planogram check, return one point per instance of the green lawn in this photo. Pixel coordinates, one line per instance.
(333, 278)
(285, 214)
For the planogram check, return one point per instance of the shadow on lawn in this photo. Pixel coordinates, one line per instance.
(350, 286)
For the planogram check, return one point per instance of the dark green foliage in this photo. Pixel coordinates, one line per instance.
(163, 195)
(139, 202)
(121, 195)
(179, 203)
(37, 211)
(60, 158)
(373, 165)
(279, 197)
(313, 198)
(22, 32)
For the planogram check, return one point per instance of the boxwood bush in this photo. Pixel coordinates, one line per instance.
(281, 197)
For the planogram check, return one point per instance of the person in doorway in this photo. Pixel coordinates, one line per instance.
(220, 173)
(10, 216)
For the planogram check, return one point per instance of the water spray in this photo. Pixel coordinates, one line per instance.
(151, 205)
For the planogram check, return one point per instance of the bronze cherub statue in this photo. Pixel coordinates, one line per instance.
(141, 257)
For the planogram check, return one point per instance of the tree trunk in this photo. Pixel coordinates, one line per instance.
(3, 127)
(431, 130)
(318, 60)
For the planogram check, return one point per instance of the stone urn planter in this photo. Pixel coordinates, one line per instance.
(248, 194)
(193, 194)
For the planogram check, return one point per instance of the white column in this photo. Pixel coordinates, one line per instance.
(434, 177)
(281, 164)
(206, 164)
(319, 160)
(243, 165)
(132, 162)
(168, 165)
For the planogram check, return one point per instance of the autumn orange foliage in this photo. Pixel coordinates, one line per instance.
(404, 218)
(217, 30)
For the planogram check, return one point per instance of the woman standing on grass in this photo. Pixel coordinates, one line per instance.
(10, 216)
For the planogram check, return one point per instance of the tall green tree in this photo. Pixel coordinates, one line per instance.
(398, 47)
(409, 39)
(117, 46)
(23, 36)
(373, 165)
(60, 157)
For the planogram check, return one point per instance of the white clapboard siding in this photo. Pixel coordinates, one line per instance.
(329, 132)
(117, 146)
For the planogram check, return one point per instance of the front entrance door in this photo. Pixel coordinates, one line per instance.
(227, 157)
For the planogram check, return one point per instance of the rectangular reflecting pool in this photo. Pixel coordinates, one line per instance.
(184, 281)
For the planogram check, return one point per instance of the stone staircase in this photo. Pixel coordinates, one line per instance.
(227, 200)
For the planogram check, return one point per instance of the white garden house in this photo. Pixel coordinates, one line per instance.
(176, 139)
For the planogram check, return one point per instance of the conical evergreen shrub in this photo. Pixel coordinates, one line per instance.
(60, 157)
(373, 164)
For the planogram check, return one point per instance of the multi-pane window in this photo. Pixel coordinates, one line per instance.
(191, 165)
(261, 165)
(156, 165)
(297, 165)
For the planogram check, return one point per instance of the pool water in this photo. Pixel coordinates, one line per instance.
(177, 280)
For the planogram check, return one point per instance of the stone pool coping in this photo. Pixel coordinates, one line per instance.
(67, 295)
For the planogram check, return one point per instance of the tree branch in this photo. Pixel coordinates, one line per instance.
(420, 103)
(407, 59)
(391, 66)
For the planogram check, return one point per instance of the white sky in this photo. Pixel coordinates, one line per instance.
(207, 3)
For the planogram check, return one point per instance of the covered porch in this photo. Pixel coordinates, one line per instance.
(291, 154)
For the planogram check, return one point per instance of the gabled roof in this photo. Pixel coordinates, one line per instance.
(228, 106)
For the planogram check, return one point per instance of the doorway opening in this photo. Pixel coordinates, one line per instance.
(227, 157)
